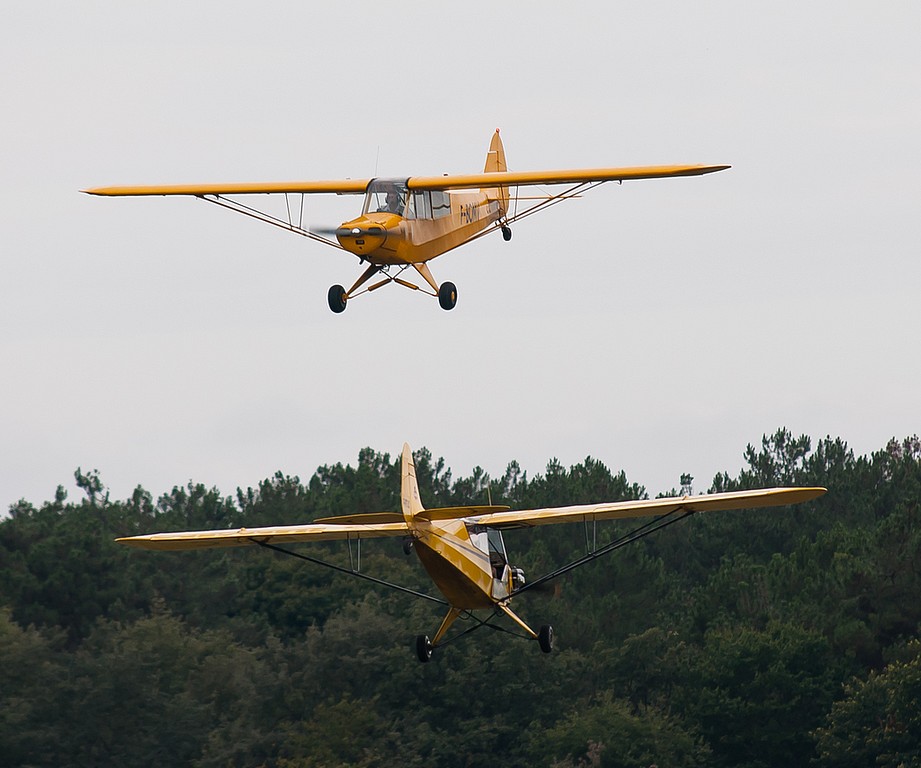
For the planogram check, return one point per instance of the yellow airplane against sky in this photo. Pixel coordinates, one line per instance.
(462, 548)
(407, 222)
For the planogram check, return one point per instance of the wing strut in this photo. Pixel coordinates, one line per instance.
(642, 532)
(544, 202)
(263, 216)
(350, 571)
(551, 200)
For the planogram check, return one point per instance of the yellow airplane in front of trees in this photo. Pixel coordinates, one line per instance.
(406, 222)
(462, 548)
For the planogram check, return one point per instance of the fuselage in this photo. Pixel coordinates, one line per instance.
(402, 226)
(468, 563)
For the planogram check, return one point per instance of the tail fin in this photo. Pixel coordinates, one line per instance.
(495, 163)
(412, 503)
(495, 158)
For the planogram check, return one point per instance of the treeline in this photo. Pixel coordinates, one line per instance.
(760, 638)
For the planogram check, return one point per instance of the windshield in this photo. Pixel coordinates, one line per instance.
(386, 196)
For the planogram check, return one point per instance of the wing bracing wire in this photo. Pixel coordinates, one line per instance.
(636, 534)
(350, 572)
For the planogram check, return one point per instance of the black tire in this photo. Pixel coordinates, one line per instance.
(506, 233)
(545, 638)
(447, 295)
(407, 546)
(336, 298)
(423, 648)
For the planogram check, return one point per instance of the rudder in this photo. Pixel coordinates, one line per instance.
(409, 492)
(495, 157)
(495, 163)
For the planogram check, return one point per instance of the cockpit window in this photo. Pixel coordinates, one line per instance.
(386, 196)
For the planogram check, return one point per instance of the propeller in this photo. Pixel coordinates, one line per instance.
(372, 231)
(544, 589)
(347, 231)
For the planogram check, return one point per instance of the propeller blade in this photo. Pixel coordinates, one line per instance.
(324, 231)
(373, 231)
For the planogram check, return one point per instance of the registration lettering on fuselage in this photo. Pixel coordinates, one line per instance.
(469, 212)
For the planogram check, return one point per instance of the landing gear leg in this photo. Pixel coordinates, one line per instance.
(424, 646)
(338, 296)
(446, 292)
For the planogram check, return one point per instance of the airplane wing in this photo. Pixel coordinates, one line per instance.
(765, 497)
(338, 187)
(577, 176)
(447, 181)
(241, 537)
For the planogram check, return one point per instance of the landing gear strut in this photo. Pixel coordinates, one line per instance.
(425, 646)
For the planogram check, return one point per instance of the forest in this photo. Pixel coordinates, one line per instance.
(756, 638)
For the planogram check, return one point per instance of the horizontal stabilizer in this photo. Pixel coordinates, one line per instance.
(455, 513)
(366, 518)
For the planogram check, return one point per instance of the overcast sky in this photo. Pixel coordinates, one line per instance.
(658, 326)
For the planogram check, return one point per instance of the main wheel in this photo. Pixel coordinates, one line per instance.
(506, 233)
(423, 648)
(336, 298)
(447, 295)
(545, 638)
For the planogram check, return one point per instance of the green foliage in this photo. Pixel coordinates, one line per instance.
(605, 732)
(755, 695)
(769, 637)
(878, 722)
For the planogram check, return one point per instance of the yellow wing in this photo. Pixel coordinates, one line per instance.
(448, 181)
(576, 176)
(240, 537)
(766, 497)
(338, 187)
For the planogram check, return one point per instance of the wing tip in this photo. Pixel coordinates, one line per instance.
(702, 169)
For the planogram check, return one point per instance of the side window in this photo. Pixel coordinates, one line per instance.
(441, 204)
(422, 205)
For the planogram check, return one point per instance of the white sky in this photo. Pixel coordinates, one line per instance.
(658, 326)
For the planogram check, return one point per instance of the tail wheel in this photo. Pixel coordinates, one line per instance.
(447, 295)
(545, 638)
(423, 648)
(506, 233)
(336, 298)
